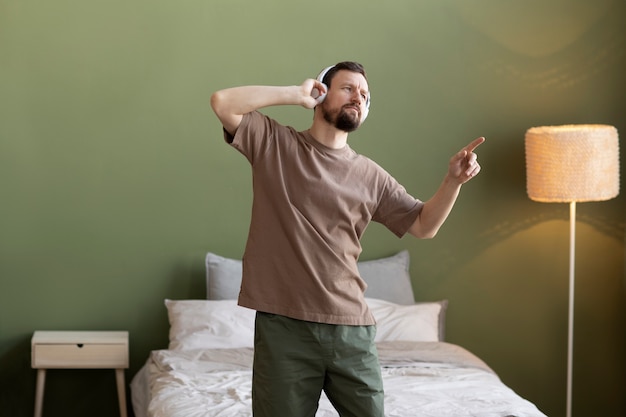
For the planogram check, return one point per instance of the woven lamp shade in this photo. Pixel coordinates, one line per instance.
(572, 163)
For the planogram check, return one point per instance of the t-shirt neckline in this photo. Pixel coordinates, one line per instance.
(323, 148)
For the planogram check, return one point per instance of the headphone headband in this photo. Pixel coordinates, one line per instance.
(322, 74)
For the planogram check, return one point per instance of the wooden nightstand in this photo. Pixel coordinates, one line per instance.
(79, 350)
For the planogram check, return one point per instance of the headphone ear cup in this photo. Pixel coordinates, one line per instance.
(320, 77)
(318, 95)
(365, 112)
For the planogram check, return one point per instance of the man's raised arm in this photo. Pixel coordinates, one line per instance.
(232, 103)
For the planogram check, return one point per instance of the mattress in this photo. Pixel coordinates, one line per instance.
(426, 379)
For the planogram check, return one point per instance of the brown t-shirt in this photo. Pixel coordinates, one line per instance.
(310, 208)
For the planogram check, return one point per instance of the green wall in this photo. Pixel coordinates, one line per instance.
(115, 181)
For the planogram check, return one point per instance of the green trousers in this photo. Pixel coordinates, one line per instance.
(295, 360)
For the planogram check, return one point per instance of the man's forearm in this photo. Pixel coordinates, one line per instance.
(232, 103)
(436, 210)
(242, 100)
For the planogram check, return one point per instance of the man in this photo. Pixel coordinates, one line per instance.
(313, 198)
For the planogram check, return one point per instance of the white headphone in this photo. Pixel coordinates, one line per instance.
(320, 97)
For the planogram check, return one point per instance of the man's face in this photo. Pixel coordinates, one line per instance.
(346, 100)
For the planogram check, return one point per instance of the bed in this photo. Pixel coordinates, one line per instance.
(206, 370)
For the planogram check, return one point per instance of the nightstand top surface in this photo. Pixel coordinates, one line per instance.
(97, 337)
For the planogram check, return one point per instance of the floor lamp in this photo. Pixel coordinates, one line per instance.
(570, 164)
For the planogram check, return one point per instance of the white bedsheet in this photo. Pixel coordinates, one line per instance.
(425, 379)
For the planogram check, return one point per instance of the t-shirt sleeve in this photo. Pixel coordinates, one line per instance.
(397, 209)
(252, 136)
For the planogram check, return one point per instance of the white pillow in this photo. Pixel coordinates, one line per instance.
(219, 324)
(388, 278)
(223, 277)
(209, 324)
(420, 322)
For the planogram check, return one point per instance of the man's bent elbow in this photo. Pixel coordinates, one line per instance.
(217, 102)
(422, 233)
(221, 107)
(430, 235)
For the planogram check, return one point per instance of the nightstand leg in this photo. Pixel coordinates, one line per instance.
(41, 382)
(121, 391)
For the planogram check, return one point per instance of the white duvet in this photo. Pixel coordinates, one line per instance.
(425, 379)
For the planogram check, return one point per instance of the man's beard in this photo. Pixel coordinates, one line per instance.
(343, 120)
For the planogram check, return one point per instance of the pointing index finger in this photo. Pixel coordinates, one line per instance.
(474, 144)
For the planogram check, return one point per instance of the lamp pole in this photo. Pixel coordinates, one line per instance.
(570, 319)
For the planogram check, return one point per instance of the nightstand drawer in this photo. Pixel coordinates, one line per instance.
(80, 356)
